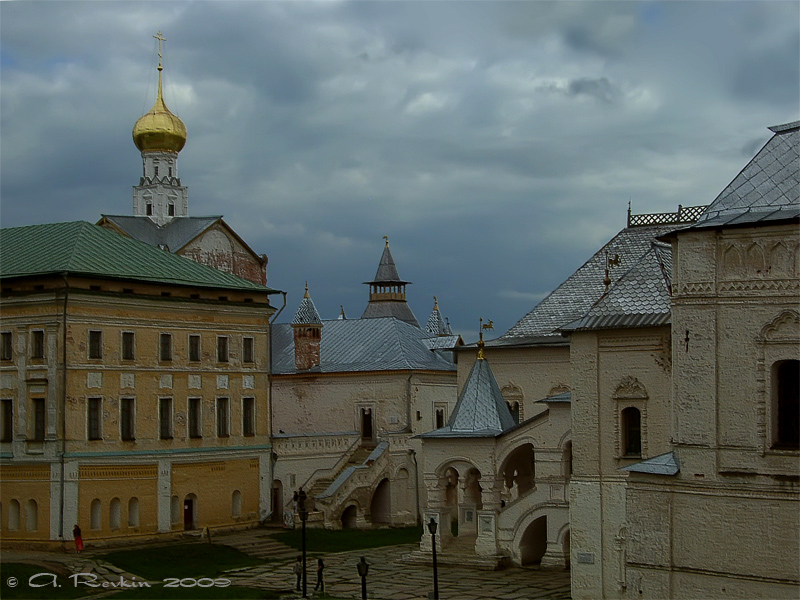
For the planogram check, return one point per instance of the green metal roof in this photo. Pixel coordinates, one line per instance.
(80, 248)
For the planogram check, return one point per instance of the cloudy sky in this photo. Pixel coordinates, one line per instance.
(496, 144)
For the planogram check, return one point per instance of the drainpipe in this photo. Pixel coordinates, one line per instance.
(63, 407)
(272, 456)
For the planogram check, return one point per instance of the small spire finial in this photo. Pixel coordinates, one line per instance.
(386, 238)
(307, 295)
(435, 303)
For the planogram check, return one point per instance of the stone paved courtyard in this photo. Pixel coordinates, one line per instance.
(391, 579)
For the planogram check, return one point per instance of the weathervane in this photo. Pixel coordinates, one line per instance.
(610, 262)
(386, 239)
(488, 325)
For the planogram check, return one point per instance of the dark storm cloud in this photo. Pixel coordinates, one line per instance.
(496, 144)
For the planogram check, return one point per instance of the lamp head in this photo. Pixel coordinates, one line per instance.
(432, 526)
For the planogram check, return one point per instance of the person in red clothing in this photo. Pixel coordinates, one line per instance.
(76, 533)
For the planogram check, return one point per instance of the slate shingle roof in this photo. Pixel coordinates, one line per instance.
(767, 189)
(573, 298)
(397, 309)
(306, 313)
(80, 248)
(480, 411)
(174, 235)
(355, 345)
(663, 464)
(640, 298)
(387, 271)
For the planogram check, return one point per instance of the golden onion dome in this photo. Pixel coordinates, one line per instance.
(159, 130)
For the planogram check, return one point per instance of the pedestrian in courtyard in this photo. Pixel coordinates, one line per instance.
(76, 533)
(295, 498)
(298, 572)
(320, 581)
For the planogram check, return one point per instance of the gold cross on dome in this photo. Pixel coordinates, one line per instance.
(160, 39)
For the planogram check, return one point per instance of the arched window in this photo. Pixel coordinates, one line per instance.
(236, 504)
(115, 514)
(786, 404)
(31, 515)
(631, 432)
(13, 515)
(96, 514)
(133, 512)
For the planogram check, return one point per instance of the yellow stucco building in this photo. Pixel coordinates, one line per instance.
(134, 388)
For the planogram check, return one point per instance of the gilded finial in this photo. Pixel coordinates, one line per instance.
(386, 238)
(307, 295)
(481, 344)
(435, 303)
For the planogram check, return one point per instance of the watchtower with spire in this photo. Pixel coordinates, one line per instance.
(307, 330)
(160, 136)
(387, 292)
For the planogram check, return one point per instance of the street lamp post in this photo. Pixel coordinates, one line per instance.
(363, 569)
(432, 529)
(301, 501)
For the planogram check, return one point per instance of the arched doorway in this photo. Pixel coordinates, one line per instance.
(380, 509)
(190, 512)
(349, 517)
(277, 501)
(451, 497)
(534, 542)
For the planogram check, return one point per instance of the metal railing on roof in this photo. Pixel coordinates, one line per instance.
(685, 214)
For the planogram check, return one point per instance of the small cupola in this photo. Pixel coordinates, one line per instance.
(307, 328)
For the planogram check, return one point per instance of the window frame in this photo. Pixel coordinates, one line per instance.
(6, 345)
(37, 344)
(195, 352)
(223, 348)
(95, 345)
(165, 418)
(780, 436)
(7, 416)
(627, 427)
(39, 421)
(248, 416)
(195, 418)
(165, 350)
(223, 417)
(248, 350)
(128, 349)
(94, 419)
(127, 419)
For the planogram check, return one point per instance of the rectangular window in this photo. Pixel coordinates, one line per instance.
(247, 350)
(165, 347)
(95, 344)
(93, 419)
(38, 419)
(165, 418)
(37, 344)
(5, 346)
(7, 426)
(195, 424)
(194, 347)
(128, 345)
(223, 426)
(126, 421)
(439, 418)
(249, 416)
(222, 348)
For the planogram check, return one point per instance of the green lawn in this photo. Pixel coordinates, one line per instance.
(324, 540)
(180, 560)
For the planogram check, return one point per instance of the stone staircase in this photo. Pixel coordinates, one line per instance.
(258, 543)
(321, 484)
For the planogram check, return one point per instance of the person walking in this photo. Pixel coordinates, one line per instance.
(320, 581)
(76, 533)
(298, 572)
